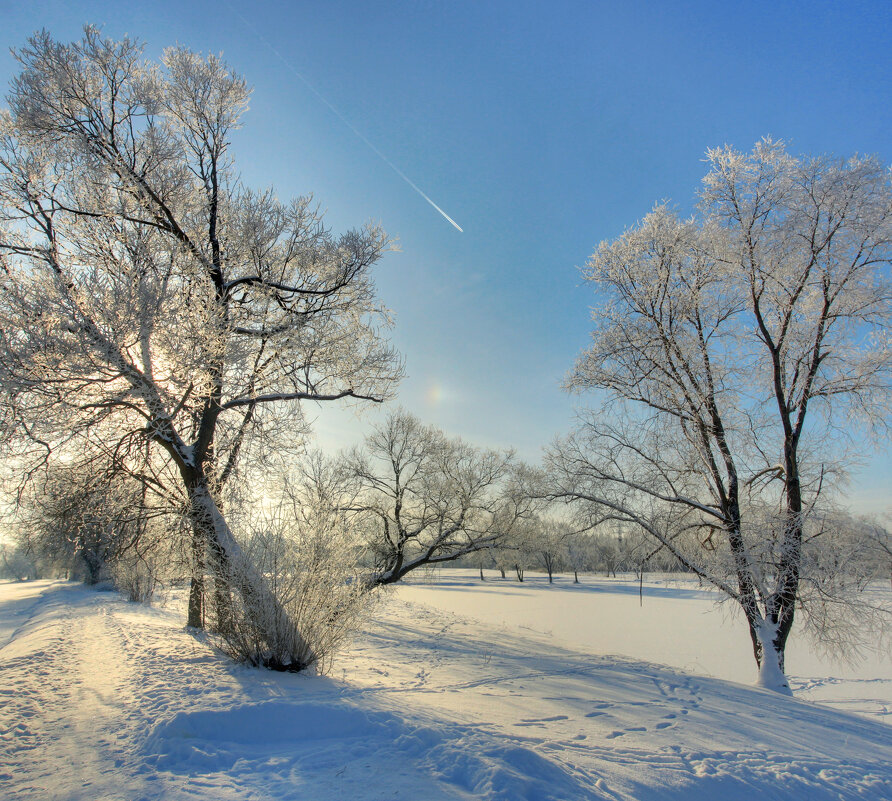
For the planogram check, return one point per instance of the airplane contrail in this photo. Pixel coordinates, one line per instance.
(340, 116)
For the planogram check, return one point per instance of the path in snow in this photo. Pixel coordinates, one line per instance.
(102, 699)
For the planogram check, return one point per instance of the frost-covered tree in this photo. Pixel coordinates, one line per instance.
(422, 498)
(733, 349)
(582, 553)
(550, 542)
(81, 524)
(810, 240)
(146, 292)
(86, 519)
(16, 564)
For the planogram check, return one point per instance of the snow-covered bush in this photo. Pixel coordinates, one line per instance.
(136, 577)
(313, 598)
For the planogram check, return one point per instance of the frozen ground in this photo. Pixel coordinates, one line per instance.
(673, 622)
(452, 692)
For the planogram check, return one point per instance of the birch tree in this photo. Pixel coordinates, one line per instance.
(148, 294)
(723, 344)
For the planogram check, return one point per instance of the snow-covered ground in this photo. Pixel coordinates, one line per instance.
(668, 620)
(453, 691)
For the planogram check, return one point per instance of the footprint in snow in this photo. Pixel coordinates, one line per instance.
(540, 721)
(614, 734)
(668, 720)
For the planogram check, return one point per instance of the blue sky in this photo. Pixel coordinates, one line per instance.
(540, 127)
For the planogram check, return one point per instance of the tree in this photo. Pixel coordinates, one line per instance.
(880, 547)
(422, 498)
(812, 241)
(100, 524)
(726, 340)
(550, 543)
(582, 553)
(16, 564)
(149, 296)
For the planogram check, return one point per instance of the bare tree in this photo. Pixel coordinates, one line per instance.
(520, 547)
(702, 324)
(16, 563)
(582, 553)
(422, 498)
(149, 296)
(550, 542)
(85, 523)
(811, 240)
(881, 547)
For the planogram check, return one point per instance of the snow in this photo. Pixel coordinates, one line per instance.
(770, 674)
(675, 623)
(455, 690)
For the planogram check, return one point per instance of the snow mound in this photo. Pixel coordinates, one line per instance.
(271, 722)
(301, 738)
(508, 773)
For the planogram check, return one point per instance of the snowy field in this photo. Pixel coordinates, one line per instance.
(455, 690)
(668, 621)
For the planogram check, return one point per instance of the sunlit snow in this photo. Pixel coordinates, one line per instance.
(456, 690)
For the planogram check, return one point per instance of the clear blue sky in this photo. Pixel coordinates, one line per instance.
(540, 127)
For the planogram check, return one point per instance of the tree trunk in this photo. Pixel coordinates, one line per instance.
(223, 612)
(768, 649)
(791, 554)
(195, 619)
(771, 658)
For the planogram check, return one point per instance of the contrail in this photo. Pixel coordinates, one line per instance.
(340, 116)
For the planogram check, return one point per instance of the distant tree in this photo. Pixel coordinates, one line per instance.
(80, 523)
(628, 549)
(16, 563)
(149, 295)
(606, 552)
(727, 344)
(581, 553)
(880, 541)
(517, 551)
(421, 498)
(551, 545)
